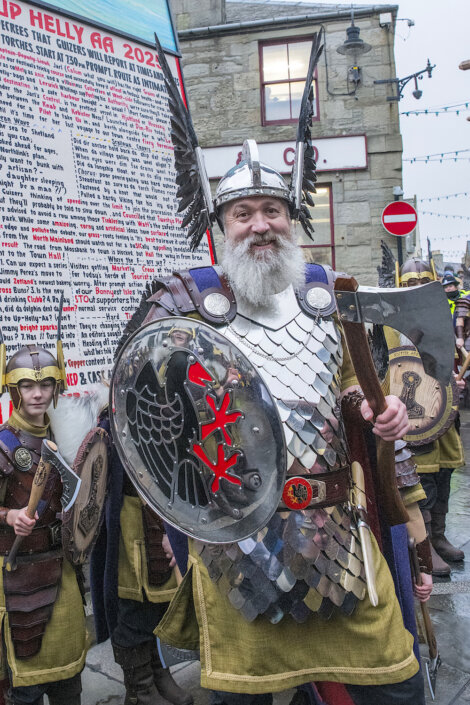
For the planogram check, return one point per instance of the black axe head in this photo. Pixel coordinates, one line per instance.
(421, 313)
(70, 480)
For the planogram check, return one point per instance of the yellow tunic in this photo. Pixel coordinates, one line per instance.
(371, 647)
(64, 644)
(133, 576)
(63, 649)
(447, 452)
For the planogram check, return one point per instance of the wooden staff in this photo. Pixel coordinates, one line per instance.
(39, 482)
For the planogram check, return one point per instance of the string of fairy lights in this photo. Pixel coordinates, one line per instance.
(453, 244)
(454, 156)
(457, 108)
(444, 197)
(446, 215)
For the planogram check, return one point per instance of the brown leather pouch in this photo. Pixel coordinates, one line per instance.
(30, 593)
(158, 565)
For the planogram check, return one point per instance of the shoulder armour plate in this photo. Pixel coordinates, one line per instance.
(204, 290)
(8, 444)
(316, 296)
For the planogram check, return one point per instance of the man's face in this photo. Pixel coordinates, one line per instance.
(449, 288)
(414, 281)
(36, 398)
(261, 221)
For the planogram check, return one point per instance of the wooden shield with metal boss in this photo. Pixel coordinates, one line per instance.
(197, 430)
(431, 405)
(82, 523)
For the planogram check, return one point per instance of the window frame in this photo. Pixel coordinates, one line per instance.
(263, 83)
(332, 243)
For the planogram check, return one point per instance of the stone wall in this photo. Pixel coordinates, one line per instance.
(222, 80)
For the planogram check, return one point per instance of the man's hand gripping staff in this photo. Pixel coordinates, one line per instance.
(50, 456)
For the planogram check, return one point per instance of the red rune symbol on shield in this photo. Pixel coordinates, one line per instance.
(222, 417)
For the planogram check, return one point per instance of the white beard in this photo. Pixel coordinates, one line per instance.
(256, 277)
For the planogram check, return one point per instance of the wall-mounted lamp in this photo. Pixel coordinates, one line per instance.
(401, 82)
(353, 46)
(417, 93)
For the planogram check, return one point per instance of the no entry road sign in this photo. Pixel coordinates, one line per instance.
(399, 218)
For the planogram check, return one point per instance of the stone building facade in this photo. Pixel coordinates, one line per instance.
(233, 56)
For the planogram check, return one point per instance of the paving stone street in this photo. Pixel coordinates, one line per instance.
(449, 607)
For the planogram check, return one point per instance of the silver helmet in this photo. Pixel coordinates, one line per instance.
(250, 178)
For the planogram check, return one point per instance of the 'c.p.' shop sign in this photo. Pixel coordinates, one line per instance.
(331, 154)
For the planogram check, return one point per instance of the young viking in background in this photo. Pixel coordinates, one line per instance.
(43, 618)
(436, 460)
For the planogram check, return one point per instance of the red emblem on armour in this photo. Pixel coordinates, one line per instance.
(297, 493)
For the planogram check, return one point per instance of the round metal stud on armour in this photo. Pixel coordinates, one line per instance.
(318, 298)
(23, 459)
(216, 304)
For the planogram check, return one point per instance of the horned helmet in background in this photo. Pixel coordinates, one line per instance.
(415, 272)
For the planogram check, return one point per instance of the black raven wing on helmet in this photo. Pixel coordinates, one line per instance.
(387, 270)
(194, 194)
(304, 173)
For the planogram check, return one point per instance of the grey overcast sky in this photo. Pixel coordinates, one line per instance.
(440, 32)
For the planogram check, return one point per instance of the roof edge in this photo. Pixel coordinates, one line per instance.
(289, 20)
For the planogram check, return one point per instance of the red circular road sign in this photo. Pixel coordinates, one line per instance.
(399, 218)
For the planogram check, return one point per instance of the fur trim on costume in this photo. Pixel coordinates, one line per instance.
(74, 417)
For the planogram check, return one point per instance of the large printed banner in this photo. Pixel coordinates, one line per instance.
(138, 19)
(87, 191)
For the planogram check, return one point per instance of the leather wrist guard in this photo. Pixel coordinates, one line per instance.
(351, 406)
(423, 551)
(3, 516)
(459, 332)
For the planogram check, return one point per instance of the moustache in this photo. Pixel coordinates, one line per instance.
(264, 239)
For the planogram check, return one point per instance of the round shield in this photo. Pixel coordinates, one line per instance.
(81, 524)
(197, 430)
(431, 405)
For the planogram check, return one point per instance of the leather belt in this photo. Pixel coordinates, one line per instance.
(316, 491)
(44, 538)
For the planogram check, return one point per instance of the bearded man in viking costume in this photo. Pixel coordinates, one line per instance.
(239, 440)
(43, 625)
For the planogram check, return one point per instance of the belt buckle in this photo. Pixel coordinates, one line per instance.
(321, 489)
(298, 492)
(56, 534)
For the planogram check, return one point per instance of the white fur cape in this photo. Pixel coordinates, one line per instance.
(74, 417)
